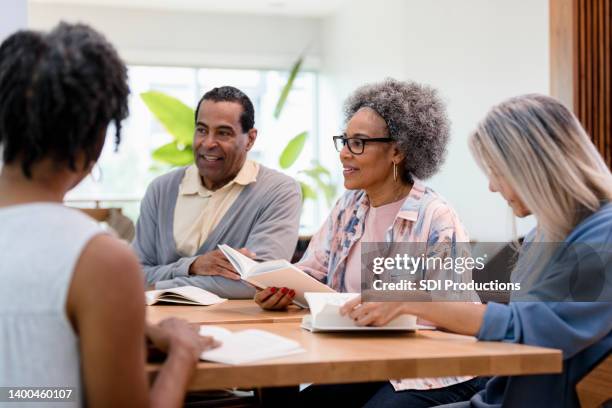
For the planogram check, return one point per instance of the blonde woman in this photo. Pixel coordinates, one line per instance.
(538, 157)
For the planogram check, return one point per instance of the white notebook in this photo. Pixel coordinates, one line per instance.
(279, 273)
(246, 346)
(325, 315)
(186, 295)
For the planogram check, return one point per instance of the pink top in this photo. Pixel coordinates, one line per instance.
(377, 221)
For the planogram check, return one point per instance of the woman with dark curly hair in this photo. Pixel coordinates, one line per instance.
(72, 297)
(396, 134)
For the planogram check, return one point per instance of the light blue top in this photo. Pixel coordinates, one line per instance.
(582, 330)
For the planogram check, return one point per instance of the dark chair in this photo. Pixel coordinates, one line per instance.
(498, 267)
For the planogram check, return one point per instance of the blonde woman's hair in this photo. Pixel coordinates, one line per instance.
(540, 149)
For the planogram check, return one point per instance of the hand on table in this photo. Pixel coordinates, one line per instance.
(372, 313)
(274, 298)
(215, 263)
(177, 336)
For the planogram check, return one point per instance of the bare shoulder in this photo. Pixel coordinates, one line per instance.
(108, 259)
(107, 274)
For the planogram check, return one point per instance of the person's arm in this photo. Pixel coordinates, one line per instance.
(146, 247)
(448, 238)
(569, 326)
(275, 232)
(315, 261)
(180, 273)
(106, 307)
(273, 236)
(458, 317)
(175, 337)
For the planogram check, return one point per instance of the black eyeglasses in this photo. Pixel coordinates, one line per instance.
(355, 144)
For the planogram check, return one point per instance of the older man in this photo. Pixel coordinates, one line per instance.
(221, 199)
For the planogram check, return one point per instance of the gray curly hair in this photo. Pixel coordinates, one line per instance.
(416, 118)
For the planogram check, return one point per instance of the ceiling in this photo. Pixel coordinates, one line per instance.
(301, 8)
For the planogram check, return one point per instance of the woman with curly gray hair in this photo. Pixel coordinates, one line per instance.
(411, 116)
(396, 134)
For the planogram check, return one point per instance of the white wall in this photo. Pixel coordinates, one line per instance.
(476, 52)
(14, 16)
(160, 37)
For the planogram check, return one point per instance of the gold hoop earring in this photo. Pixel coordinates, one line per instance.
(394, 171)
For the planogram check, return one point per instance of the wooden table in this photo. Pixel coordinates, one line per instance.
(230, 311)
(356, 357)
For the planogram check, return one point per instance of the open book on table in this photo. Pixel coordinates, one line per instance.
(279, 273)
(325, 315)
(186, 295)
(246, 346)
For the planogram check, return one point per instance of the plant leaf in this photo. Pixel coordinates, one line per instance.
(171, 154)
(176, 117)
(307, 192)
(292, 151)
(287, 88)
(326, 186)
(316, 171)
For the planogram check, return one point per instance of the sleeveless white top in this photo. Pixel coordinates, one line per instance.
(40, 245)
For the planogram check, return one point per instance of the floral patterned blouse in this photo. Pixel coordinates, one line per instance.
(423, 217)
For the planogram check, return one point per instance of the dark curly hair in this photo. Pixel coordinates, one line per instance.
(231, 94)
(59, 91)
(416, 118)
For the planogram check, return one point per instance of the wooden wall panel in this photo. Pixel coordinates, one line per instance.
(581, 58)
(563, 63)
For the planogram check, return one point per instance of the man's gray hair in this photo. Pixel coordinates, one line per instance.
(416, 118)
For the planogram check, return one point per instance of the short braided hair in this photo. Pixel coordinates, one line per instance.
(60, 90)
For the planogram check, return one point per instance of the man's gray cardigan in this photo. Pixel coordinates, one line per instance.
(264, 218)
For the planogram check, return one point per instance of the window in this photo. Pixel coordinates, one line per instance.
(120, 179)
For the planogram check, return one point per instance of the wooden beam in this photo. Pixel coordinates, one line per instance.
(562, 51)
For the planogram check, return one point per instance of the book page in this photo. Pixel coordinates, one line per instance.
(268, 266)
(317, 302)
(195, 294)
(242, 263)
(247, 346)
(184, 295)
(151, 296)
(219, 333)
(325, 314)
(292, 278)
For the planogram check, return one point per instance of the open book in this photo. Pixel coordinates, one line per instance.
(246, 346)
(186, 295)
(325, 315)
(279, 273)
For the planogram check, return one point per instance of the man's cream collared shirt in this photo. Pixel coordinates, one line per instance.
(199, 210)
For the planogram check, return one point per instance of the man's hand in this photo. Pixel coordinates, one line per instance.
(372, 313)
(215, 263)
